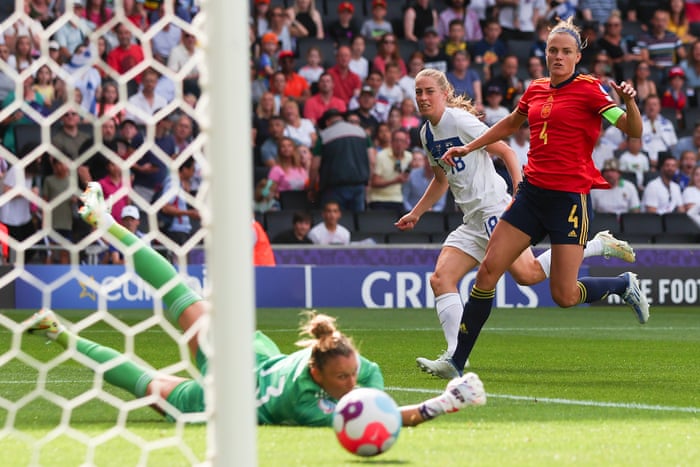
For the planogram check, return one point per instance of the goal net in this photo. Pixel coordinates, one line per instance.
(150, 99)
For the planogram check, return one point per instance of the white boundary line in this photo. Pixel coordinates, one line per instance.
(539, 400)
(524, 329)
(549, 400)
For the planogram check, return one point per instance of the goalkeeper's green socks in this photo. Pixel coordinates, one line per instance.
(157, 271)
(126, 375)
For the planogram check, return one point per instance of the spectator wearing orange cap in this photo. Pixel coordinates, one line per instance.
(376, 26)
(267, 62)
(344, 29)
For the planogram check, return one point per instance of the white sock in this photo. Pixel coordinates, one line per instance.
(545, 260)
(449, 310)
(440, 405)
(106, 221)
(593, 248)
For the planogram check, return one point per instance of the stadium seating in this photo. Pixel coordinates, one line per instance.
(376, 221)
(604, 221)
(433, 228)
(27, 133)
(680, 223)
(295, 200)
(278, 221)
(431, 222)
(641, 227)
(408, 238)
(520, 49)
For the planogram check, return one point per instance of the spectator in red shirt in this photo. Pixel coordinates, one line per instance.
(347, 84)
(127, 54)
(317, 104)
(297, 87)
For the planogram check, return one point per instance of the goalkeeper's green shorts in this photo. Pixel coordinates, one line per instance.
(188, 396)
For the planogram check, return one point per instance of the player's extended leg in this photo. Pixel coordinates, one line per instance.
(568, 290)
(127, 375)
(451, 266)
(183, 305)
(505, 246)
(528, 270)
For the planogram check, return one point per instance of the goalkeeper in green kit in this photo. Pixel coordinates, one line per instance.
(301, 388)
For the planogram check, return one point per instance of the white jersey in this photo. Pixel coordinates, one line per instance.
(474, 182)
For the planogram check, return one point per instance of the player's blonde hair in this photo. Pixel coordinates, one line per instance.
(326, 341)
(458, 101)
(567, 26)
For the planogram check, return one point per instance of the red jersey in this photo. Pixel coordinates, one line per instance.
(565, 123)
(344, 87)
(123, 60)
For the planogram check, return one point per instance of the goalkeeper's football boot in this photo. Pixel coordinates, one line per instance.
(443, 367)
(614, 248)
(44, 322)
(462, 392)
(634, 297)
(94, 206)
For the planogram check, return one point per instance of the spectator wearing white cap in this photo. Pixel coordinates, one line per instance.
(55, 52)
(131, 219)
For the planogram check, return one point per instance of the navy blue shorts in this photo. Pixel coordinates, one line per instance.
(562, 215)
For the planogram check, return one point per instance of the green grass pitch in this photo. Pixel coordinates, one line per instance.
(585, 386)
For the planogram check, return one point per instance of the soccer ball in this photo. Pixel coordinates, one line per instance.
(367, 421)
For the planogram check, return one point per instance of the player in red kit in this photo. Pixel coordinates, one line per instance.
(565, 113)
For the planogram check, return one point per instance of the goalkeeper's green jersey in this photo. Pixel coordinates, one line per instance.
(286, 393)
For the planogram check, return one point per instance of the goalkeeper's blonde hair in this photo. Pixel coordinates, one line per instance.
(326, 340)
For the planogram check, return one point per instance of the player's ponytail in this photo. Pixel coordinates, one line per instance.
(326, 340)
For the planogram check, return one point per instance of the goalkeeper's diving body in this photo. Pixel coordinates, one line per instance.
(301, 388)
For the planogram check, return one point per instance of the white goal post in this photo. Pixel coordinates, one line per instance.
(233, 316)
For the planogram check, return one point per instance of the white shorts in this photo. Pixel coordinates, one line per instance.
(473, 236)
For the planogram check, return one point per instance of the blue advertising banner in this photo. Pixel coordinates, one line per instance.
(90, 287)
(407, 287)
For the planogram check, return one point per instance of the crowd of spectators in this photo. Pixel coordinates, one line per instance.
(360, 59)
(101, 88)
(315, 60)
